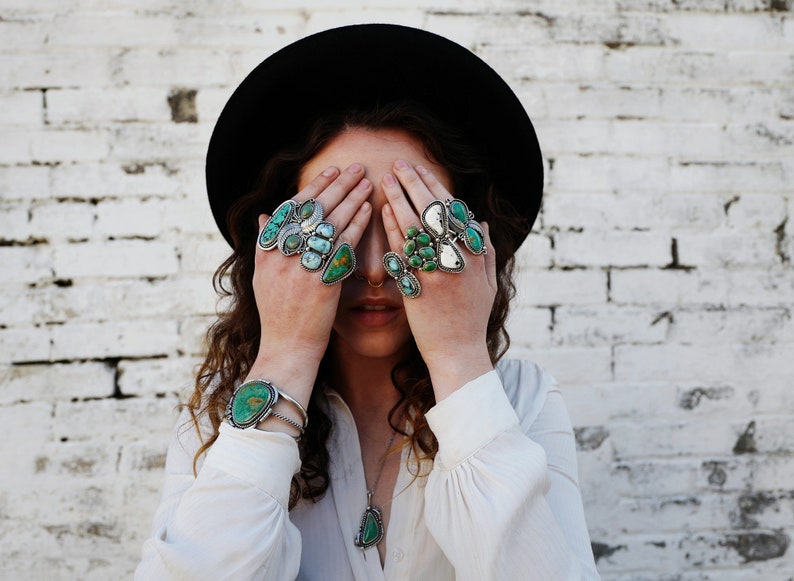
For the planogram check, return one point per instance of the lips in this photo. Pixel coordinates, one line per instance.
(375, 312)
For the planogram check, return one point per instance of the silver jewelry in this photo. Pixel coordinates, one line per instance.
(370, 531)
(252, 402)
(407, 283)
(466, 228)
(436, 222)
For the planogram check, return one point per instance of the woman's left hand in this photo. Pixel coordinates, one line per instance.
(449, 320)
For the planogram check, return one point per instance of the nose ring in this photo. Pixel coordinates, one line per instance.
(362, 278)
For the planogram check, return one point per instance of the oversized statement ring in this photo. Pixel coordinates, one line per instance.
(299, 228)
(407, 283)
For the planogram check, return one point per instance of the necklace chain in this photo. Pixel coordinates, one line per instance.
(383, 463)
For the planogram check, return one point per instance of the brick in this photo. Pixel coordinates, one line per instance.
(734, 177)
(123, 258)
(177, 66)
(732, 326)
(605, 174)
(26, 264)
(608, 325)
(534, 253)
(560, 287)
(116, 339)
(20, 107)
(530, 327)
(569, 365)
(757, 212)
(131, 419)
(200, 255)
(192, 333)
(728, 249)
(708, 363)
(96, 105)
(64, 145)
(25, 182)
(613, 249)
(176, 140)
(712, 287)
(62, 221)
(119, 179)
(30, 423)
(55, 69)
(601, 212)
(87, 29)
(150, 377)
(130, 217)
(60, 381)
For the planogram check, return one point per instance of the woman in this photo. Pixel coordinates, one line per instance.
(348, 421)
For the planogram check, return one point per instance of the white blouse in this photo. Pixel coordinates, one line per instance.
(502, 500)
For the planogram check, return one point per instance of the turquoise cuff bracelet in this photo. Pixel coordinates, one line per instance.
(253, 401)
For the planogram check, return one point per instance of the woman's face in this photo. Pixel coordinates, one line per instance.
(371, 321)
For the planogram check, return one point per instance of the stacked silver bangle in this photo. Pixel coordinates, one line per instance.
(253, 401)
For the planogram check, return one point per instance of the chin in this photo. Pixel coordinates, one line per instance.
(388, 345)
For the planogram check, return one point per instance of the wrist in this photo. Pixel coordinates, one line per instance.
(450, 372)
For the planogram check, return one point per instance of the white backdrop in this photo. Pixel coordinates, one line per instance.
(657, 286)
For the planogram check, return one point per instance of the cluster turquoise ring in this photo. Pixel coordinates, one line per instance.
(299, 228)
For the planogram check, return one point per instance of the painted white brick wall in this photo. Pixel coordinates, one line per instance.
(658, 286)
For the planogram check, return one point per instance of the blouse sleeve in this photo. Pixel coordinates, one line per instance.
(500, 503)
(231, 521)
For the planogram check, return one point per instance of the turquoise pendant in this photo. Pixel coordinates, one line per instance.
(370, 531)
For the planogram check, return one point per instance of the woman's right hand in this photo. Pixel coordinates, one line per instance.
(297, 311)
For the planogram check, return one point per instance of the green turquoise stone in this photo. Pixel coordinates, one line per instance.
(293, 242)
(307, 209)
(415, 261)
(475, 239)
(423, 239)
(311, 260)
(342, 264)
(429, 266)
(321, 245)
(273, 226)
(412, 231)
(427, 252)
(458, 210)
(407, 285)
(409, 247)
(393, 266)
(250, 400)
(325, 230)
(371, 529)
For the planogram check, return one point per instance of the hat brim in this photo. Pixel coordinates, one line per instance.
(363, 65)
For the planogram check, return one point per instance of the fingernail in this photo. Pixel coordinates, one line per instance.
(365, 183)
(355, 168)
(330, 171)
(420, 169)
(400, 164)
(389, 180)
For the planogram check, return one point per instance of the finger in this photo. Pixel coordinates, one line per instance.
(318, 184)
(393, 231)
(416, 189)
(490, 256)
(430, 180)
(348, 207)
(358, 224)
(334, 192)
(401, 208)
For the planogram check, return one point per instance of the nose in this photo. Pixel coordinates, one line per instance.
(369, 254)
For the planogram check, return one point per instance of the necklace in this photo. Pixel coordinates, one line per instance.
(370, 531)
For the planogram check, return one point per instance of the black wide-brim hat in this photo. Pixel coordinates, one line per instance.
(365, 65)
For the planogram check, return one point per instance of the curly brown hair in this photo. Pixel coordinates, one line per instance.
(233, 340)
